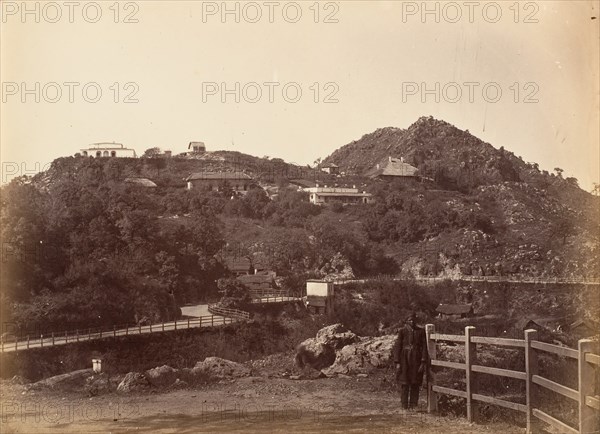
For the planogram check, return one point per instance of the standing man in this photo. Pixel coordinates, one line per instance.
(411, 358)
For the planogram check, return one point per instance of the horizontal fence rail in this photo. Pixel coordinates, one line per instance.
(464, 278)
(220, 316)
(83, 335)
(588, 362)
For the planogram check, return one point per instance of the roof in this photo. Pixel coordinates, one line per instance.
(454, 309)
(303, 182)
(584, 323)
(392, 167)
(192, 144)
(142, 182)
(240, 263)
(219, 176)
(255, 279)
(343, 194)
(543, 322)
(105, 145)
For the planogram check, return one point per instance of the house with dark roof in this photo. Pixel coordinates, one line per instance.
(239, 182)
(454, 311)
(239, 266)
(393, 168)
(331, 168)
(197, 147)
(583, 328)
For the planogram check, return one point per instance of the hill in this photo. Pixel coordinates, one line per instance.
(83, 247)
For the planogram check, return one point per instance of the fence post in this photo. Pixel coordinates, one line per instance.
(114, 331)
(432, 350)
(470, 350)
(28, 341)
(16, 343)
(41, 341)
(531, 369)
(587, 415)
(188, 323)
(163, 326)
(66, 337)
(140, 328)
(100, 333)
(175, 324)
(212, 320)
(127, 330)
(89, 334)
(52, 338)
(77, 335)
(150, 328)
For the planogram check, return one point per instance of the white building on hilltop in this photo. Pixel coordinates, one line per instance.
(328, 195)
(99, 150)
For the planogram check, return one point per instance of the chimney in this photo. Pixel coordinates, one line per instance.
(378, 166)
(390, 158)
(402, 159)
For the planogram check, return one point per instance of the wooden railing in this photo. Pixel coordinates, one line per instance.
(83, 335)
(589, 404)
(464, 278)
(263, 293)
(216, 309)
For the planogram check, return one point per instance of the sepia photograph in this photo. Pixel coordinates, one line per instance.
(311, 216)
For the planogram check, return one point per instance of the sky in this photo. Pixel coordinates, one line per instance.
(308, 77)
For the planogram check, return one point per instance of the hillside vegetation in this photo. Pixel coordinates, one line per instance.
(84, 248)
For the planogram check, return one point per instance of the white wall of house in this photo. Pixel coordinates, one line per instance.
(320, 289)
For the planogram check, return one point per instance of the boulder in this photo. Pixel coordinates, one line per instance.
(162, 376)
(72, 379)
(178, 384)
(336, 336)
(220, 368)
(362, 357)
(316, 355)
(319, 352)
(99, 384)
(133, 382)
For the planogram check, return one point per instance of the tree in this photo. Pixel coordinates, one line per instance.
(235, 294)
(558, 171)
(151, 153)
(564, 228)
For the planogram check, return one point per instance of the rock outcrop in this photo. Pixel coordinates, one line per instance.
(133, 382)
(319, 352)
(162, 376)
(220, 368)
(362, 357)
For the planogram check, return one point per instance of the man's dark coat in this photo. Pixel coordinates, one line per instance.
(410, 352)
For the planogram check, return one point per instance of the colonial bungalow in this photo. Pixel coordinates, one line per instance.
(263, 281)
(197, 147)
(140, 182)
(454, 311)
(331, 168)
(329, 195)
(393, 168)
(100, 150)
(215, 181)
(239, 266)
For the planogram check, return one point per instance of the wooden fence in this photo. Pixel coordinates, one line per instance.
(463, 278)
(216, 309)
(83, 335)
(588, 362)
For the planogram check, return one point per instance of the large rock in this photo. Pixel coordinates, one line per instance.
(162, 376)
(99, 384)
(73, 379)
(220, 368)
(133, 382)
(336, 336)
(319, 352)
(313, 354)
(362, 357)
